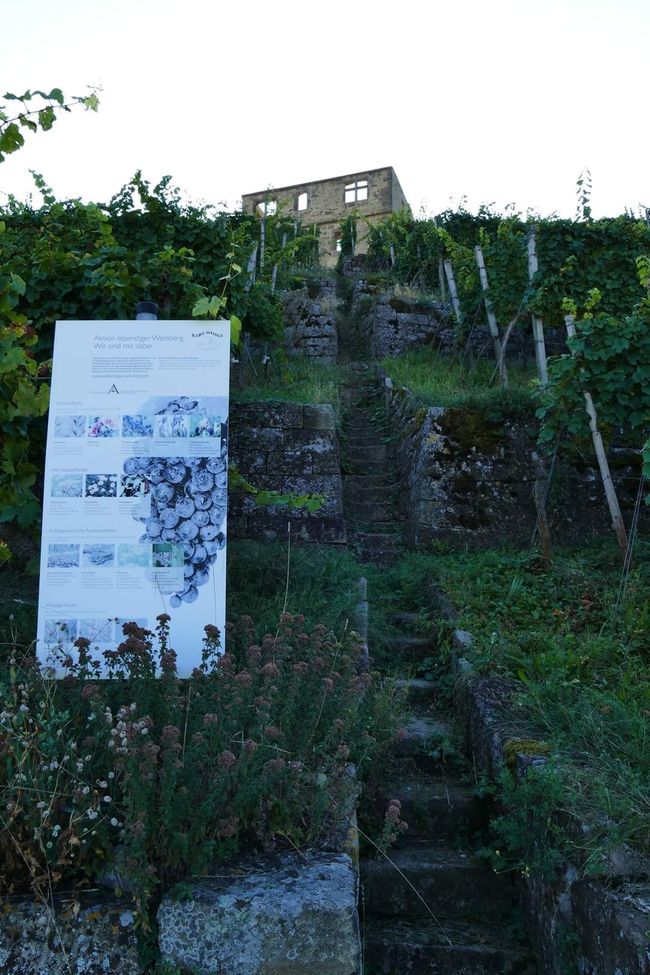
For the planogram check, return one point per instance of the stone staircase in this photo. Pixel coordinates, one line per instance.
(433, 908)
(369, 482)
(430, 907)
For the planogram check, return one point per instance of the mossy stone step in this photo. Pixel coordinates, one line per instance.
(423, 879)
(382, 483)
(407, 619)
(364, 439)
(422, 947)
(371, 511)
(418, 692)
(421, 745)
(373, 452)
(412, 649)
(360, 421)
(435, 808)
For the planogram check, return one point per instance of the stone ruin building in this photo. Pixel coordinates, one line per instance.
(373, 194)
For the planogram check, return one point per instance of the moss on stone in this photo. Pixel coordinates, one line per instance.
(469, 428)
(524, 746)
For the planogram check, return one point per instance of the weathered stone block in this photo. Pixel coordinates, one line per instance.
(288, 915)
(614, 928)
(270, 413)
(329, 486)
(319, 416)
(36, 939)
(310, 323)
(299, 457)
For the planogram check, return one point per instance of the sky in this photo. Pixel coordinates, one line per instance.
(490, 101)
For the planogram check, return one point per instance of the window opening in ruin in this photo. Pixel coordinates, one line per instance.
(356, 192)
(267, 208)
(338, 245)
(302, 201)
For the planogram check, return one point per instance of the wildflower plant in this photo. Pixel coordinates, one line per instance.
(148, 778)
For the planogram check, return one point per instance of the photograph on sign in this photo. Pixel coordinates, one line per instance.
(135, 488)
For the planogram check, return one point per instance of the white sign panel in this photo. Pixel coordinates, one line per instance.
(134, 509)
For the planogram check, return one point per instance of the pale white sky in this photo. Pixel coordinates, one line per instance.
(499, 100)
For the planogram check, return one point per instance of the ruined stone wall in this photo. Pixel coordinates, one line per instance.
(392, 325)
(326, 205)
(290, 448)
(468, 478)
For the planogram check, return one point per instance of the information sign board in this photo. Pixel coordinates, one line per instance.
(135, 488)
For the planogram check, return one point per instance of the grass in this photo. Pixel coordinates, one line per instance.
(18, 604)
(437, 380)
(583, 664)
(322, 584)
(296, 380)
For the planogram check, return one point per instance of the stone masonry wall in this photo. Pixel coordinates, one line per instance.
(469, 479)
(282, 914)
(310, 321)
(393, 324)
(291, 448)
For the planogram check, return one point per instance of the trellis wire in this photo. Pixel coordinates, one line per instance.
(627, 561)
(545, 493)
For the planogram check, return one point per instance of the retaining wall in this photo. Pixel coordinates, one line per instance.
(290, 448)
(468, 478)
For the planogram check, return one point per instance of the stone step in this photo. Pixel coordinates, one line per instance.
(412, 649)
(364, 426)
(371, 511)
(372, 453)
(364, 439)
(360, 396)
(360, 466)
(448, 882)
(369, 495)
(383, 483)
(418, 692)
(399, 947)
(407, 619)
(434, 808)
(421, 744)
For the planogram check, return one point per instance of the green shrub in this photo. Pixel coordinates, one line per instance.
(158, 778)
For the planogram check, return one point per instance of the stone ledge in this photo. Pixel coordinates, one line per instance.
(276, 915)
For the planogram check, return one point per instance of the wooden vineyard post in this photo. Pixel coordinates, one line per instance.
(538, 325)
(610, 492)
(491, 317)
(451, 281)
